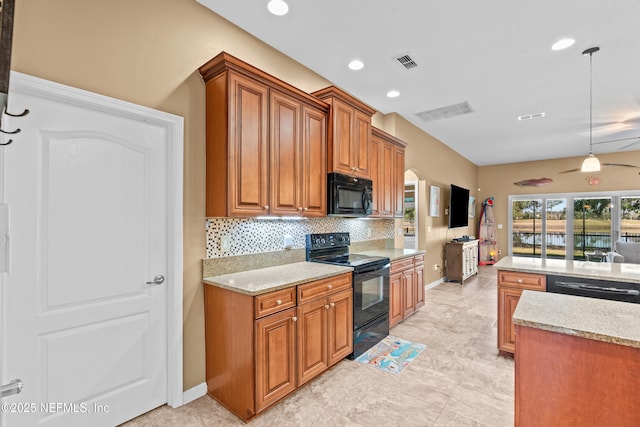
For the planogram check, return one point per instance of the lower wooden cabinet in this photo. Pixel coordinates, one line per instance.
(406, 288)
(275, 357)
(510, 287)
(259, 349)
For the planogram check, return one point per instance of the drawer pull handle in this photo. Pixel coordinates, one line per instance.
(519, 280)
(294, 318)
(329, 287)
(278, 301)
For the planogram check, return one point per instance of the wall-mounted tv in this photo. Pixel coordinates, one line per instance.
(458, 207)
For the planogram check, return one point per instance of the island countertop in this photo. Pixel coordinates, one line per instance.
(263, 280)
(598, 319)
(618, 272)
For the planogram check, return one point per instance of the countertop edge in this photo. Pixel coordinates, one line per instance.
(216, 280)
(525, 319)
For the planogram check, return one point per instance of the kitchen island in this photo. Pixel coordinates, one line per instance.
(577, 361)
(516, 274)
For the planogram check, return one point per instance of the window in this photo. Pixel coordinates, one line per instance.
(572, 226)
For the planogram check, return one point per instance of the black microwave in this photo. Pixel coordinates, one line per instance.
(348, 196)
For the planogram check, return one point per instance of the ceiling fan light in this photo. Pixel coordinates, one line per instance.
(590, 164)
(278, 7)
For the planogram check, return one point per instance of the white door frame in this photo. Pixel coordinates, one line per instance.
(174, 126)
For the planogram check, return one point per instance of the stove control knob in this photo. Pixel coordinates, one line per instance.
(323, 241)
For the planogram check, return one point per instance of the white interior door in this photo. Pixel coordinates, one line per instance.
(88, 195)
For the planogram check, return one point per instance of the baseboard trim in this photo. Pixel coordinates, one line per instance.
(194, 393)
(434, 284)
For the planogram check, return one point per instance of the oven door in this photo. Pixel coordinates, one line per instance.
(370, 294)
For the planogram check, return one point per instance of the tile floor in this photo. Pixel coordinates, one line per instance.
(459, 380)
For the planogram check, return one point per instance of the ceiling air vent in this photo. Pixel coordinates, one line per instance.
(446, 112)
(405, 60)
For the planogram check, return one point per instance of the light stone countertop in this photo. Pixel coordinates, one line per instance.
(263, 280)
(393, 254)
(598, 319)
(619, 272)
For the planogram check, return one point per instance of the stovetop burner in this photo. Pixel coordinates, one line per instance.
(333, 248)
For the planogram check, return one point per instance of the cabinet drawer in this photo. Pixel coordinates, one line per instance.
(418, 259)
(324, 287)
(275, 301)
(536, 282)
(402, 264)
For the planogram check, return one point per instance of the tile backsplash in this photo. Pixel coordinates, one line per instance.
(249, 236)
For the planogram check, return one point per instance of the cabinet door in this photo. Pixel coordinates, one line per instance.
(398, 183)
(275, 357)
(285, 155)
(396, 299)
(360, 145)
(388, 178)
(314, 162)
(340, 330)
(507, 301)
(376, 176)
(248, 147)
(409, 292)
(419, 288)
(312, 339)
(342, 137)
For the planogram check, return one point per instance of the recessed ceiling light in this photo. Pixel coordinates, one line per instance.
(278, 7)
(356, 65)
(393, 94)
(562, 44)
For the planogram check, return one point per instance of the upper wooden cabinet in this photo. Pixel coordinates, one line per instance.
(349, 150)
(266, 143)
(387, 174)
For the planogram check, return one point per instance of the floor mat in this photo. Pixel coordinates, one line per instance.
(392, 354)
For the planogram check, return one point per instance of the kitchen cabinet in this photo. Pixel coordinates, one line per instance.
(406, 288)
(266, 144)
(461, 260)
(387, 174)
(261, 348)
(349, 149)
(510, 287)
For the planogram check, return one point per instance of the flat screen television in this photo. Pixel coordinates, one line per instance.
(458, 207)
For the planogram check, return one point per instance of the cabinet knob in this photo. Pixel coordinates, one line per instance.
(519, 280)
(300, 208)
(329, 287)
(326, 306)
(278, 301)
(266, 207)
(353, 168)
(294, 318)
(305, 209)
(332, 304)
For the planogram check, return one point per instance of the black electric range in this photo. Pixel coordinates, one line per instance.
(370, 286)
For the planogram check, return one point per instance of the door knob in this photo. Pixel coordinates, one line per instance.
(158, 280)
(14, 387)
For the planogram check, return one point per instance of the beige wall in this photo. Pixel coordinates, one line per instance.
(148, 52)
(435, 164)
(497, 181)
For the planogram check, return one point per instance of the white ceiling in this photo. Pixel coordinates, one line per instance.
(495, 54)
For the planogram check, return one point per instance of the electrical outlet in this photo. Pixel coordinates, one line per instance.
(288, 241)
(368, 232)
(400, 232)
(499, 252)
(225, 243)
(436, 267)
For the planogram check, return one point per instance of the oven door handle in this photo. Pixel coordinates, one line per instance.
(375, 268)
(586, 287)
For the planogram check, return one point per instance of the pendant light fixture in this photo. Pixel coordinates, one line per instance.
(591, 163)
